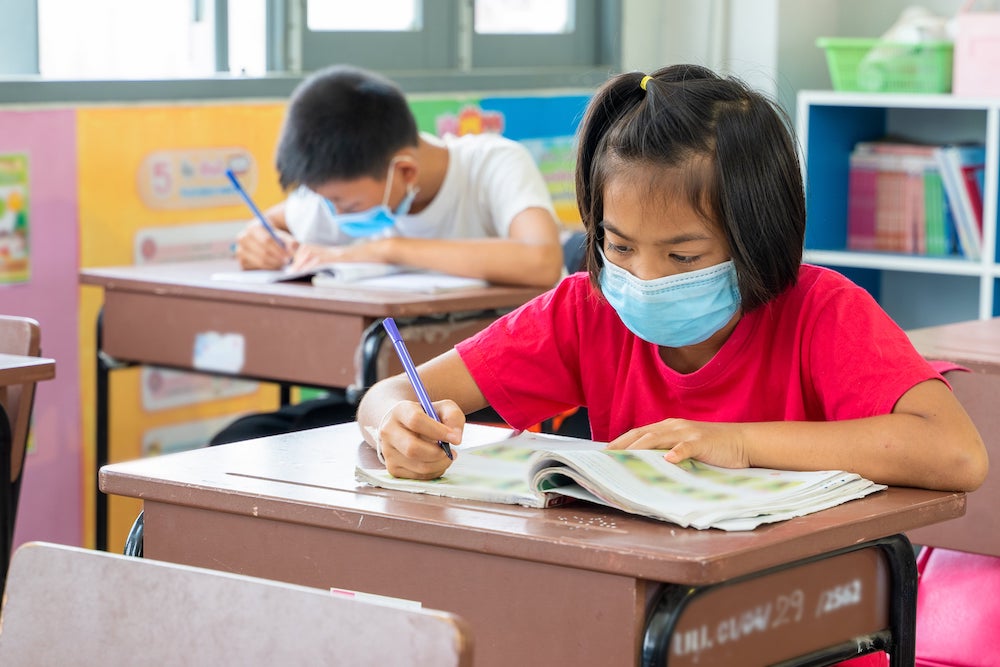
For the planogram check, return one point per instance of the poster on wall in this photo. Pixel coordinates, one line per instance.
(545, 125)
(15, 266)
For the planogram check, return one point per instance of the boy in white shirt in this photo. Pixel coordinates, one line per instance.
(366, 186)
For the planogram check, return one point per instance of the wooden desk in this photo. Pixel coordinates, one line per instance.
(568, 585)
(15, 370)
(18, 369)
(169, 314)
(975, 345)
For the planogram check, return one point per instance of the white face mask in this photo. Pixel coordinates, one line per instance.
(673, 311)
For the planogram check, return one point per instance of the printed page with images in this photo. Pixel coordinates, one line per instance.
(538, 470)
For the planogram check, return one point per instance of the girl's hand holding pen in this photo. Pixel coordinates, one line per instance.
(408, 438)
(257, 249)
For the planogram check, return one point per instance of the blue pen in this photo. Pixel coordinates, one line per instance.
(411, 372)
(253, 207)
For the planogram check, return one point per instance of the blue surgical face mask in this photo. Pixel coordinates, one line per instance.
(376, 221)
(673, 311)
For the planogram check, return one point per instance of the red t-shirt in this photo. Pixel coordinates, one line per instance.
(823, 350)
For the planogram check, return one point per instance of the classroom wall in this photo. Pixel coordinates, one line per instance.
(38, 280)
(769, 43)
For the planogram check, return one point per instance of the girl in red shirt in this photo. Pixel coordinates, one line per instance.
(696, 329)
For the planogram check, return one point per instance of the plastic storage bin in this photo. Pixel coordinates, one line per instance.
(875, 66)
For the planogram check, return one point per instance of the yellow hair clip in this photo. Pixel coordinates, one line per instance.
(645, 80)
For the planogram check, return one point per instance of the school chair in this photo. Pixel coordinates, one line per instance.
(958, 563)
(71, 606)
(574, 246)
(20, 336)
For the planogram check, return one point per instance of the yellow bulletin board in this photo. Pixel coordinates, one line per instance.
(148, 191)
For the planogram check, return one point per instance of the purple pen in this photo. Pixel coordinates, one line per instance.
(411, 372)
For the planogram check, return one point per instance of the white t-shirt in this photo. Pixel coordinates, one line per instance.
(490, 179)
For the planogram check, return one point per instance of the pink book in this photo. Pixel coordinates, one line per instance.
(862, 201)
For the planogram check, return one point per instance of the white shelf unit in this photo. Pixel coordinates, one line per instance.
(916, 291)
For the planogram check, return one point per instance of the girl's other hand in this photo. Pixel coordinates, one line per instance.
(709, 442)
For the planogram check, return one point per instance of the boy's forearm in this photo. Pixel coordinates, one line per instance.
(501, 261)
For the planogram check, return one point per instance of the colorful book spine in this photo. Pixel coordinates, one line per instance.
(959, 166)
(889, 186)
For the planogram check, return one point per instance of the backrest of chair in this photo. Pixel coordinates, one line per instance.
(574, 245)
(66, 605)
(979, 530)
(424, 340)
(22, 336)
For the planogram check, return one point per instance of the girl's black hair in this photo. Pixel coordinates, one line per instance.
(343, 123)
(736, 149)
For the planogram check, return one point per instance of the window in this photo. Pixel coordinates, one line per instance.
(247, 37)
(524, 16)
(125, 39)
(370, 15)
(422, 40)
(460, 34)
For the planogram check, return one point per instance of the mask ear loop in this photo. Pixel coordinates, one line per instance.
(411, 189)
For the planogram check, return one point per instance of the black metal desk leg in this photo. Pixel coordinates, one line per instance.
(903, 611)
(101, 442)
(105, 365)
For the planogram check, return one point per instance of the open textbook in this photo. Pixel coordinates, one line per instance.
(366, 275)
(344, 272)
(538, 470)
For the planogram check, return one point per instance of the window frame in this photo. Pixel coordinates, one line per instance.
(447, 41)
(285, 59)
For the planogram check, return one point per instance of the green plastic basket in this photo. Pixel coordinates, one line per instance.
(871, 65)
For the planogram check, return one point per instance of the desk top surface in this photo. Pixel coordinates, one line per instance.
(18, 369)
(308, 478)
(194, 280)
(974, 343)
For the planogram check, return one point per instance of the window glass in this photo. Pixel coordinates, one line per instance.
(125, 39)
(524, 16)
(364, 15)
(248, 37)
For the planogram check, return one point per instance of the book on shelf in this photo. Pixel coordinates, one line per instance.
(962, 168)
(538, 470)
(896, 200)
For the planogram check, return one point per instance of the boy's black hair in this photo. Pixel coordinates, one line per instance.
(737, 154)
(343, 123)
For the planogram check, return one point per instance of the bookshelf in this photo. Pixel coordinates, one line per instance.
(915, 290)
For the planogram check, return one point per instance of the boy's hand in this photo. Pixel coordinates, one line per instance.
(409, 438)
(255, 249)
(310, 256)
(714, 443)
